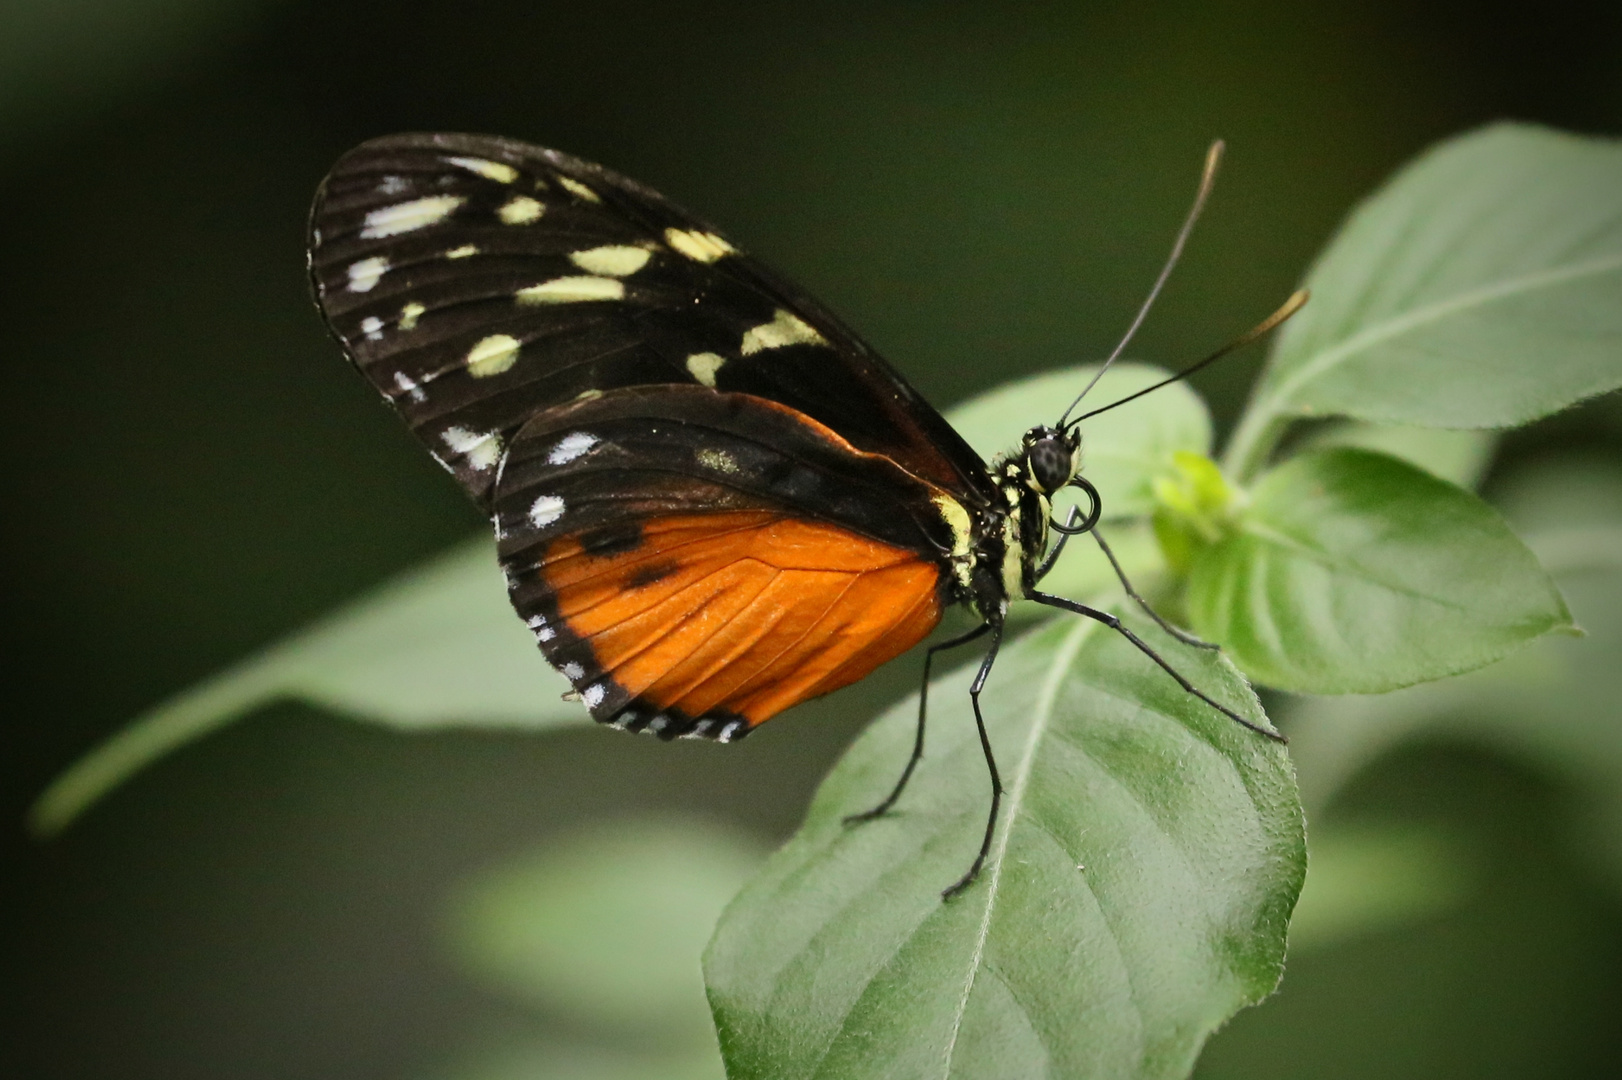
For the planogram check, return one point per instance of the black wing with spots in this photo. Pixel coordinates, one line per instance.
(479, 282)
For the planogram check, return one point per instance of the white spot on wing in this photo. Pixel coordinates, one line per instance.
(572, 290)
(572, 671)
(570, 447)
(392, 185)
(719, 460)
(372, 327)
(545, 510)
(703, 367)
(575, 187)
(614, 260)
(409, 216)
(490, 170)
(786, 328)
(410, 314)
(367, 273)
(545, 633)
(520, 210)
(408, 386)
(704, 247)
(593, 695)
(480, 450)
(462, 252)
(492, 356)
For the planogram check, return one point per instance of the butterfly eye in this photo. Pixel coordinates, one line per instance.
(1048, 463)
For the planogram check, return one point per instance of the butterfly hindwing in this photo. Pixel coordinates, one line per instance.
(479, 281)
(697, 561)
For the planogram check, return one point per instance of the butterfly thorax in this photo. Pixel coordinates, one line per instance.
(1010, 539)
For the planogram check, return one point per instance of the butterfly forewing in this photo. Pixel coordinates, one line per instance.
(478, 281)
(712, 499)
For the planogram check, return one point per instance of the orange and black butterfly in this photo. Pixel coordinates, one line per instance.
(712, 500)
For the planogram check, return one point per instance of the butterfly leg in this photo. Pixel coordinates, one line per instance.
(1143, 646)
(1058, 548)
(991, 766)
(918, 742)
(1181, 635)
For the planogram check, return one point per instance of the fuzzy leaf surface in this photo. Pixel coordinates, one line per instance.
(1136, 896)
(1480, 288)
(1354, 572)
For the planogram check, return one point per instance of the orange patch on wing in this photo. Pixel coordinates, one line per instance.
(745, 612)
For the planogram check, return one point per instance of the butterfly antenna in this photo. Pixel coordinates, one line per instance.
(1289, 307)
(1213, 158)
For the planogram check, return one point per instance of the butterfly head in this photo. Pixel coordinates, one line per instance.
(1052, 458)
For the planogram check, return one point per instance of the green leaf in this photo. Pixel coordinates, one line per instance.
(1136, 894)
(1122, 450)
(1353, 572)
(1482, 287)
(1552, 706)
(1460, 457)
(438, 647)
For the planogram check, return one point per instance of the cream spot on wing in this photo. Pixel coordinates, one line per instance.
(410, 314)
(570, 447)
(367, 273)
(492, 356)
(572, 290)
(614, 260)
(408, 386)
(786, 328)
(392, 185)
(719, 460)
(520, 210)
(703, 366)
(593, 695)
(704, 247)
(480, 450)
(372, 327)
(588, 395)
(490, 170)
(408, 216)
(545, 510)
(578, 189)
(462, 252)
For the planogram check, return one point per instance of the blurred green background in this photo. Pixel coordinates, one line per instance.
(983, 190)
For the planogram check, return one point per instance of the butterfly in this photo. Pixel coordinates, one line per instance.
(712, 500)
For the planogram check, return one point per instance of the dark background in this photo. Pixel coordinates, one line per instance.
(983, 190)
